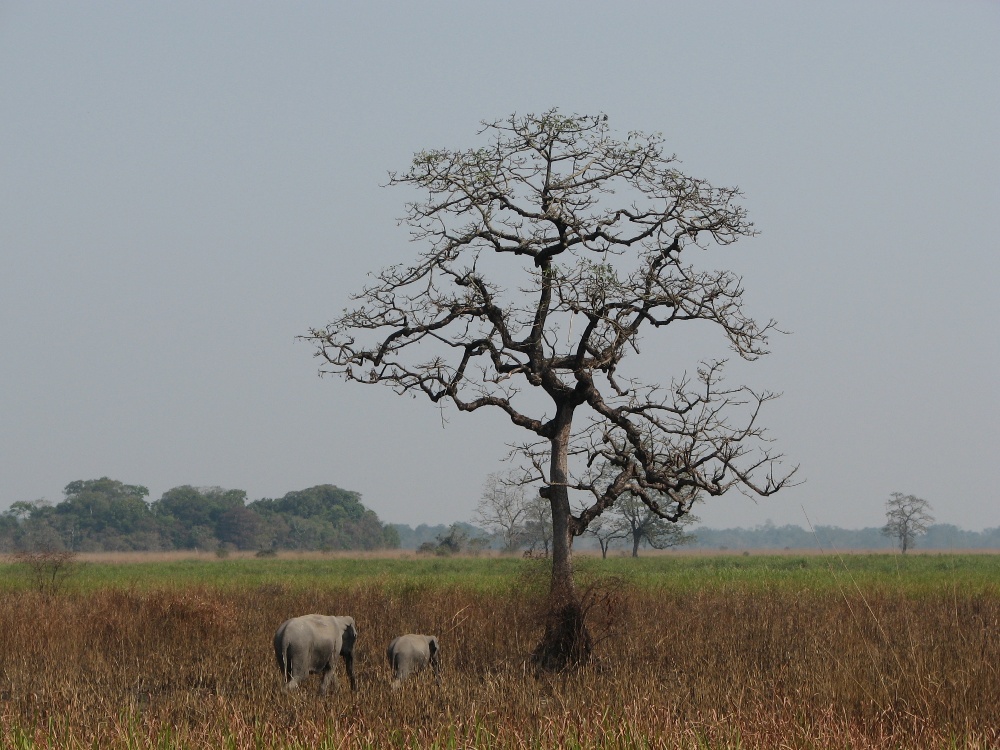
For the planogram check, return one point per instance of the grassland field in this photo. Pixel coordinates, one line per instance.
(910, 574)
(794, 650)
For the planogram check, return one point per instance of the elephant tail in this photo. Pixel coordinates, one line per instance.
(397, 680)
(286, 667)
(283, 657)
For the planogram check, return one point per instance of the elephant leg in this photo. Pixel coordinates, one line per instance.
(349, 666)
(329, 675)
(295, 677)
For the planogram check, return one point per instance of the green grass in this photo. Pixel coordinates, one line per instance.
(914, 574)
(295, 573)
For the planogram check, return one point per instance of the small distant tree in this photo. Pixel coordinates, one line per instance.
(538, 533)
(630, 518)
(48, 568)
(907, 516)
(502, 510)
(638, 523)
(454, 541)
(605, 531)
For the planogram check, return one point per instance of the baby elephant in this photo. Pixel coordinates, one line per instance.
(310, 645)
(409, 654)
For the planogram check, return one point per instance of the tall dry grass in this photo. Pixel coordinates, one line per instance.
(194, 668)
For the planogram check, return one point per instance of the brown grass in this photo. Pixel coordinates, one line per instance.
(126, 668)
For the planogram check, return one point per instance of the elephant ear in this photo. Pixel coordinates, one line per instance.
(432, 644)
(350, 633)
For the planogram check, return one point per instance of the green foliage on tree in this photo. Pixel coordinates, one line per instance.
(191, 517)
(101, 514)
(322, 517)
(108, 515)
(9, 528)
(390, 537)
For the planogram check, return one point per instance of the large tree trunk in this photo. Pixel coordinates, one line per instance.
(566, 642)
(636, 538)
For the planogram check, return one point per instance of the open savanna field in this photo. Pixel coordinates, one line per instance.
(694, 651)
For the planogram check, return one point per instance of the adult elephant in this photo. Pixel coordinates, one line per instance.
(410, 653)
(310, 644)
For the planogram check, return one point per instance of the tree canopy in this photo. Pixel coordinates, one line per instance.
(106, 514)
(190, 515)
(328, 517)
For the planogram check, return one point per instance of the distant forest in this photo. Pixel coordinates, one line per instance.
(107, 515)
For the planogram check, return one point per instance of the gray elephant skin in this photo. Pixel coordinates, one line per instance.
(410, 653)
(310, 644)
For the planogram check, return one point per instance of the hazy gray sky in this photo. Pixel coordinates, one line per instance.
(185, 187)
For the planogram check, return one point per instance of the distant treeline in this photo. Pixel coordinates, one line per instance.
(107, 515)
(829, 538)
(765, 537)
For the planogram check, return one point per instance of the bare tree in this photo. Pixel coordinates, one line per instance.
(631, 518)
(538, 525)
(502, 509)
(606, 531)
(907, 517)
(596, 227)
(48, 568)
(638, 523)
